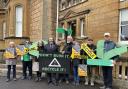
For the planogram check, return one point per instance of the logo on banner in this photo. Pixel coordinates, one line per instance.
(54, 63)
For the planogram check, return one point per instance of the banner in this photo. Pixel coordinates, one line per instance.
(100, 62)
(90, 53)
(54, 63)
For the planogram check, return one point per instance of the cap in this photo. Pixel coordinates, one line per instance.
(107, 34)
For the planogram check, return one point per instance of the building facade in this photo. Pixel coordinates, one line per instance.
(94, 17)
(22, 20)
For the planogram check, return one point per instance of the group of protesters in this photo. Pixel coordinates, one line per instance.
(57, 78)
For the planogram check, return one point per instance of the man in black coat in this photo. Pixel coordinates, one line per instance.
(51, 47)
(68, 51)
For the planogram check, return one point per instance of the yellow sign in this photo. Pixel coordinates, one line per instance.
(90, 53)
(75, 54)
(82, 72)
(8, 55)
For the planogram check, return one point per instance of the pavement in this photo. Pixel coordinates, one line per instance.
(31, 84)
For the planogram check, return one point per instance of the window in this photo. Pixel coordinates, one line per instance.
(4, 30)
(122, 0)
(82, 27)
(62, 35)
(69, 3)
(19, 21)
(123, 32)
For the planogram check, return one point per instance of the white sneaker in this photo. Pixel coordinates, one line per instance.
(86, 83)
(92, 83)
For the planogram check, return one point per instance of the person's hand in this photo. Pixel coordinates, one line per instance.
(114, 62)
(62, 52)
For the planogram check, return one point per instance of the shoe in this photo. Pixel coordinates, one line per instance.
(92, 83)
(67, 82)
(37, 79)
(103, 87)
(30, 77)
(49, 82)
(77, 84)
(14, 79)
(23, 77)
(108, 88)
(7, 80)
(86, 83)
(74, 83)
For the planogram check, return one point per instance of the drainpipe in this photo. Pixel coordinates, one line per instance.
(57, 22)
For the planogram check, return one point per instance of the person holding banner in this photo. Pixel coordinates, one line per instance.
(90, 69)
(27, 62)
(76, 60)
(107, 70)
(52, 47)
(11, 58)
(36, 62)
(68, 51)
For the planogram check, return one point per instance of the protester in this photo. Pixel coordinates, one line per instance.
(76, 61)
(68, 51)
(90, 69)
(36, 61)
(11, 60)
(51, 47)
(107, 70)
(27, 62)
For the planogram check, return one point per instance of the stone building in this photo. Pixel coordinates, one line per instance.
(22, 20)
(94, 17)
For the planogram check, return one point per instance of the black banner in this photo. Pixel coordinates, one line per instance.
(54, 63)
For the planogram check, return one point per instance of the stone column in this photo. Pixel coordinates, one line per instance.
(77, 27)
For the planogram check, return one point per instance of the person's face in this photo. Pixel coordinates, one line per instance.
(69, 40)
(89, 42)
(11, 45)
(107, 38)
(51, 40)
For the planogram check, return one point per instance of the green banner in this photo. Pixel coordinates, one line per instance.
(100, 62)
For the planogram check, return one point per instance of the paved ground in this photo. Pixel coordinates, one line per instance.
(27, 84)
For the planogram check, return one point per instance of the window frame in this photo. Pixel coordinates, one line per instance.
(16, 22)
(120, 41)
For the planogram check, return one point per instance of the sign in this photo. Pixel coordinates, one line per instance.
(75, 54)
(90, 53)
(54, 63)
(20, 50)
(82, 70)
(100, 62)
(10, 53)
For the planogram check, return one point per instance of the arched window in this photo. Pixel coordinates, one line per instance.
(19, 21)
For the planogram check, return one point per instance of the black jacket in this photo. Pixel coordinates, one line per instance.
(68, 48)
(49, 49)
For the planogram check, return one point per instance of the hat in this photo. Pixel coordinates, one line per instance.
(107, 34)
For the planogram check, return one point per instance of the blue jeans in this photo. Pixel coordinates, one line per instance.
(75, 74)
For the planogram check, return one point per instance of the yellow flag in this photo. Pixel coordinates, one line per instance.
(75, 54)
(90, 53)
